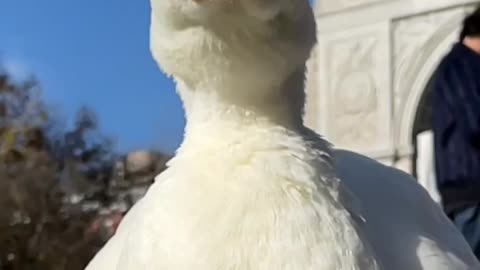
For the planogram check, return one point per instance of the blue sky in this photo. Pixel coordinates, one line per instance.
(95, 53)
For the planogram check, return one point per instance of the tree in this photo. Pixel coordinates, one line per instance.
(48, 177)
(64, 191)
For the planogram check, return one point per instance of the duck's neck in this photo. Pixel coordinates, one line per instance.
(216, 112)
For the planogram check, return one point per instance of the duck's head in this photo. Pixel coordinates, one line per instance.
(237, 45)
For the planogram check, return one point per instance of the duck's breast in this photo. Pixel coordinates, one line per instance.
(246, 213)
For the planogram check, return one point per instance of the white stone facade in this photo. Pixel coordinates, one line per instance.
(370, 68)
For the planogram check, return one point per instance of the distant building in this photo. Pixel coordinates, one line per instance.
(368, 75)
(131, 177)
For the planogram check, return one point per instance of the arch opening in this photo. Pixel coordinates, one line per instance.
(422, 121)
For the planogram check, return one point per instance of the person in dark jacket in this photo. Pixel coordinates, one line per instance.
(456, 127)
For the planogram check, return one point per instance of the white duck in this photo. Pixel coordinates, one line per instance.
(251, 187)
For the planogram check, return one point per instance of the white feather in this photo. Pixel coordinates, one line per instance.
(251, 187)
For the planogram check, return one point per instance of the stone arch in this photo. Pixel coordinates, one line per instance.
(437, 47)
(422, 121)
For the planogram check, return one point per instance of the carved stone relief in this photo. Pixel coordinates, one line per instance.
(324, 6)
(368, 78)
(357, 89)
(415, 39)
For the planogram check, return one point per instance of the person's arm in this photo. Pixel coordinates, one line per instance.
(459, 84)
